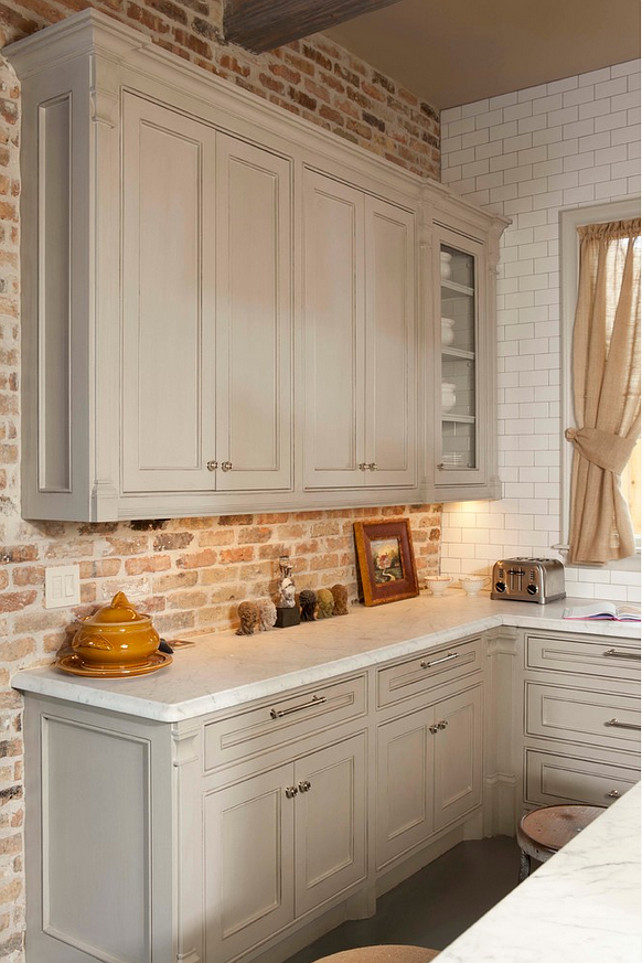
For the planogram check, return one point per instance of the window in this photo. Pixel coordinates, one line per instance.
(570, 221)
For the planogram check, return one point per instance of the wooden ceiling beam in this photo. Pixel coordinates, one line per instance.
(260, 25)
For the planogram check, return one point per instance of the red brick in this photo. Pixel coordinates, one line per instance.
(198, 559)
(151, 563)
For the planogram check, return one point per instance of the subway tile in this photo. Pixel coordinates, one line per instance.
(581, 128)
(567, 115)
(503, 100)
(474, 139)
(531, 93)
(593, 142)
(491, 118)
(595, 77)
(595, 108)
(626, 68)
(579, 95)
(547, 104)
(502, 131)
(518, 111)
(478, 107)
(549, 136)
(611, 88)
(611, 121)
(527, 124)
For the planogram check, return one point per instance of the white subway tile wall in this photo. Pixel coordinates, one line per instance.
(529, 154)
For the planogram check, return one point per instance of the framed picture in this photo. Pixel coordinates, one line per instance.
(386, 561)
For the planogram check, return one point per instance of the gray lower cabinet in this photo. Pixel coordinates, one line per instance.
(281, 844)
(429, 772)
(581, 709)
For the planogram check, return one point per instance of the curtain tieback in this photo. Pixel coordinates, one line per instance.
(610, 452)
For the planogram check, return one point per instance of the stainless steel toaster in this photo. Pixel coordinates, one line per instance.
(528, 580)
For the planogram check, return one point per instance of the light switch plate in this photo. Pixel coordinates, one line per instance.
(62, 586)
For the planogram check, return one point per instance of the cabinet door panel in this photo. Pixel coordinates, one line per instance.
(248, 858)
(330, 822)
(404, 790)
(168, 319)
(391, 355)
(458, 749)
(333, 325)
(254, 317)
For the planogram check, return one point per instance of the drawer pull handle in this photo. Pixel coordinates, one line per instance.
(446, 658)
(613, 794)
(615, 654)
(616, 724)
(314, 701)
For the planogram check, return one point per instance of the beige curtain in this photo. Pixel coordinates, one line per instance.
(606, 389)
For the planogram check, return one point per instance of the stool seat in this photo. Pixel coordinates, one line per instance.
(383, 954)
(544, 831)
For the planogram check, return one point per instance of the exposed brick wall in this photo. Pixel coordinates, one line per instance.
(191, 573)
(313, 78)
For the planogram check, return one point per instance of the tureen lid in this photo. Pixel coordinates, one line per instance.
(119, 609)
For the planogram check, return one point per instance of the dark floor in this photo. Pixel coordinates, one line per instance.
(435, 905)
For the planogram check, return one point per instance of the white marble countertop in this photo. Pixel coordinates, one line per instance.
(582, 906)
(223, 670)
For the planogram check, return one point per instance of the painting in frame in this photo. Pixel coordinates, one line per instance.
(385, 561)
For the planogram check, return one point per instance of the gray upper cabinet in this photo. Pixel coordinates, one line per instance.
(227, 309)
(360, 339)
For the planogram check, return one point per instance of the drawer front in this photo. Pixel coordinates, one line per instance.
(606, 658)
(287, 718)
(436, 667)
(550, 779)
(580, 715)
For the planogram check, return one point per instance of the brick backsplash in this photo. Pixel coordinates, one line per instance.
(190, 574)
(529, 154)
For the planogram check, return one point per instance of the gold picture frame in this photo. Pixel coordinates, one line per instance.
(385, 561)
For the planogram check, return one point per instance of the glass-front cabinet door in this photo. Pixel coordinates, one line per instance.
(463, 378)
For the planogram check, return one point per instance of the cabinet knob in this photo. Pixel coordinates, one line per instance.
(291, 791)
(432, 729)
(212, 465)
(305, 785)
(442, 724)
(613, 794)
(362, 466)
(226, 465)
(372, 466)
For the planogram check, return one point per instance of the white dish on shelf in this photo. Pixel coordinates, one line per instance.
(447, 331)
(448, 396)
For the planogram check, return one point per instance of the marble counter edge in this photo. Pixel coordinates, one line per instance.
(43, 682)
(581, 905)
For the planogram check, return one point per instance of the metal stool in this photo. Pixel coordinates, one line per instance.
(383, 954)
(543, 832)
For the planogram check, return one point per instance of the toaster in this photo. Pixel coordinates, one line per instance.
(528, 580)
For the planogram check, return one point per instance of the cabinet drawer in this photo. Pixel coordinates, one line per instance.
(550, 779)
(435, 667)
(581, 715)
(286, 718)
(606, 658)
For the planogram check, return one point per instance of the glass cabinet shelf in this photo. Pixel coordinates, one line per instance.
(458, 444)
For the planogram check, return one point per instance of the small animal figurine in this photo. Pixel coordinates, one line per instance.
(267, 614)
(326, 604)
(249, 616)
(340, 596)
(308, 603)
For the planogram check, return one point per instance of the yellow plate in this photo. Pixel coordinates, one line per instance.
(74, 665)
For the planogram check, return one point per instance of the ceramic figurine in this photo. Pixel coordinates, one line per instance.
(249, 616)
(267, 614)
(308, 603)
(340, 596)
(287, 613)
(326, 604)
(287, 590)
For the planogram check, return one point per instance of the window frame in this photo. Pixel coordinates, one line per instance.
(569, 257)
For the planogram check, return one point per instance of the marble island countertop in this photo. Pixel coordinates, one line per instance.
(223, 670)
(582, 906)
